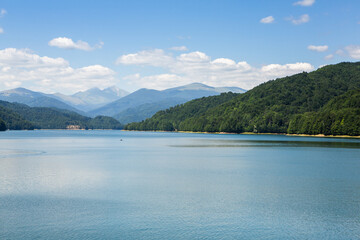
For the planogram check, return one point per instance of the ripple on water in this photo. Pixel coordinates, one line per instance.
(8, 153)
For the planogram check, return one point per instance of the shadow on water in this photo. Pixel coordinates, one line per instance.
(211, 143)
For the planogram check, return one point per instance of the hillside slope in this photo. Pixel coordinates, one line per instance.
(269, 107)
(20, 116)
(340, 116)
(12, 120)
(170, 119)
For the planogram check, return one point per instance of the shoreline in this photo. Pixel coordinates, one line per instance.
(243, 133)
(252, 133)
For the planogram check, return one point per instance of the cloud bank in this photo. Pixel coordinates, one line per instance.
(198, 67)
(21, 67)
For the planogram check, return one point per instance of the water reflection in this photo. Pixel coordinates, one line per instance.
(90, 185)
(203, 143)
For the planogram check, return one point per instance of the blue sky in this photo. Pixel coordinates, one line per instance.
(161, 44)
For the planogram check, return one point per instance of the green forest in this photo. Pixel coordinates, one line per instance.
(16, 116)
(325, 101)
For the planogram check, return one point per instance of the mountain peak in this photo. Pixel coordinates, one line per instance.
(19, 91)
(196, 84)
(193, 86)
(112, 88)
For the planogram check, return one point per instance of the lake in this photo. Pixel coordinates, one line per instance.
(146, 185)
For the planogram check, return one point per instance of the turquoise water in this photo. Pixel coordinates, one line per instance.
(136, 185)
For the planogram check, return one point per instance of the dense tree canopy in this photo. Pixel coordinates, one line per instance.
(277, 106)
(20, 117)
(2, 125)
(170, 119)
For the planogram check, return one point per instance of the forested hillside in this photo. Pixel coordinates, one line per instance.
(13, 120)
(20, 117)
(170, 119)
(272, 106)
(340, 116)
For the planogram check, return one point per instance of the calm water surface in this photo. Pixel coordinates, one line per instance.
(135, 185)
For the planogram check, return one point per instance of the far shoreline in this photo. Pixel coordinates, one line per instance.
(252, 133)
(223, 133)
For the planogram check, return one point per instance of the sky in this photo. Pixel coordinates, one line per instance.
(69, 46)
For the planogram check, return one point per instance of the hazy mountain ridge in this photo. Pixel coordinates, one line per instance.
(92, 98)
(134, 104)
(146, 110)
(34, 99)
(115, 102)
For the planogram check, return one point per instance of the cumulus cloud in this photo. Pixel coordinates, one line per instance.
(305, 3)
(196, 57)
(3, 12)
(353, 51)
(266, 20)
(180, 48)
(159, 81)
(155, 57)
(199, 67)
(322, 48)
(302, 19)
(68, 43)
(1, 30)
(21, 67)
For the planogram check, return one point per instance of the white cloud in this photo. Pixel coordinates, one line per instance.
(68, 43)
(180, 48)
(1, 30)
(2, 12)
(322, 48)
(156, 57)
(160, 81)
(353, 51)
(199, 67)
(266, 20)
(305, 3)
(329, 57)
(21, 67)
(302, 19)
(193, 57)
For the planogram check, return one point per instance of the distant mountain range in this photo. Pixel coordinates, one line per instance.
(115, 102)
(144, 103)
(35, 99)
(92, 98)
